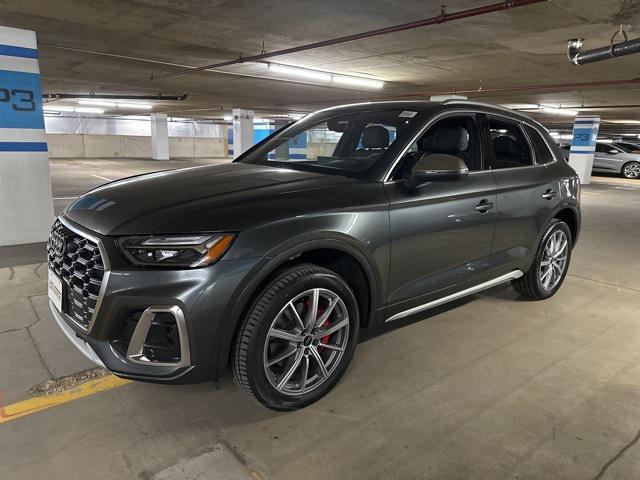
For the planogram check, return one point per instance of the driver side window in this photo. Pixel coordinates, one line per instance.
(457, 136)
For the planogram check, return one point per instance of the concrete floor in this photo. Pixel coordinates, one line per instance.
(489, 387)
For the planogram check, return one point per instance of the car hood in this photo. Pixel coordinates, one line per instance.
(229, 197)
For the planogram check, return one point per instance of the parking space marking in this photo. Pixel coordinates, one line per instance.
(40, 403)
(102, 178)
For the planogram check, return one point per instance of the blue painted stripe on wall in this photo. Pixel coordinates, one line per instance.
(13, 51)
(23, 146)
(582, 151)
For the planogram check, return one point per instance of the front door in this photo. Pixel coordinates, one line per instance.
(606, 158)
(442, 232)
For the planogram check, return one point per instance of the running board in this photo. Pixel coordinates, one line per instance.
(455, 296)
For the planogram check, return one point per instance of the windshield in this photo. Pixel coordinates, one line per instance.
(347, 144)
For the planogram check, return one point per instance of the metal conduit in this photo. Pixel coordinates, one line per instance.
(614, 50)
(444, 17)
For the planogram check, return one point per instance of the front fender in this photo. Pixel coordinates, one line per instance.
(281, 241)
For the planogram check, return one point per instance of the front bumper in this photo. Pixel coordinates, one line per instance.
(200, 301)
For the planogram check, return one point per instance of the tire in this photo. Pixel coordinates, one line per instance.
(538, 283)
(273, 328)
(631, 170)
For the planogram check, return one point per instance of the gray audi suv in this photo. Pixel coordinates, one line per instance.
(270, 266)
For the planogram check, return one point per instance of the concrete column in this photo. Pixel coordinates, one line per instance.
(583, 146)
(242, 131)
(159, 136)
(26, 206)
(282, 151)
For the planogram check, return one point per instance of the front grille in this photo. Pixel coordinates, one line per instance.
(81, 269)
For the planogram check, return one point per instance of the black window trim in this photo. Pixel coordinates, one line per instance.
(549, 149)
(519, 124)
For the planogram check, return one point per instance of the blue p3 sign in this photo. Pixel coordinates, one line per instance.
(21, 118)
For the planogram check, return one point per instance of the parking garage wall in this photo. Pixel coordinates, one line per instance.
(85, 137)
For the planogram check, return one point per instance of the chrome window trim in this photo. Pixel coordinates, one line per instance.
(455, 296)
(136, 344)
(105, 278)
(426, 126)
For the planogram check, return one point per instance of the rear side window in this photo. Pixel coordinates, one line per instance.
(543, 154)
(510, 146)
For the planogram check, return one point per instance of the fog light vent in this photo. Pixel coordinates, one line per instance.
(160, 338)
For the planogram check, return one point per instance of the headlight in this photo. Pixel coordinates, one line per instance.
(176, 250)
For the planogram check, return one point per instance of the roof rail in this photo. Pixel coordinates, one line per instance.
(480, 104)
(497, 107)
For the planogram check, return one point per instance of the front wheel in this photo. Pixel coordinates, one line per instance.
(631, 170)
(297, 338)
(550, 264)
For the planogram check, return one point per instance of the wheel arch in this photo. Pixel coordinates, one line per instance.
(569, 216)
(624, 164)
(336, 254)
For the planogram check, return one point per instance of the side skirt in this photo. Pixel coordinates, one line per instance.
(455, 296)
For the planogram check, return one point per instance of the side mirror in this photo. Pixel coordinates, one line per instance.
(436, 166)
(613, 151)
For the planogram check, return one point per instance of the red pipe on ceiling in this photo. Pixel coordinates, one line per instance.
(442, 18)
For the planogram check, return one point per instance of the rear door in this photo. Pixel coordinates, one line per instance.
(526, 192)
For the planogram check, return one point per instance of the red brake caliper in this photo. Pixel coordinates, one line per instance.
(325, 324)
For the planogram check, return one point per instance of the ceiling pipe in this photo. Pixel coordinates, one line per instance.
(164, 98)
(614, 50)
(444, 17)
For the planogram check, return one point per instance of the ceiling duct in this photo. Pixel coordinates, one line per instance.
(92, 96)
(578, 57)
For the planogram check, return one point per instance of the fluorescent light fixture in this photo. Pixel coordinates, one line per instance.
(54, 108)
(356, 81)
(89, 110)
(135, 106)
(559, 111)
(108, 104)
(624, 122)
(325, 76)
(296, 116)
(66, 108)
(521, 106)
(228, 118)
(605, 140)
(566, 136)
(299, 72)
(97, 103)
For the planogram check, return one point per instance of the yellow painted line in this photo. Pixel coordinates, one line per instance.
(37, 404)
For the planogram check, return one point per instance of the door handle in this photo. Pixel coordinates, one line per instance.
(549, 194)
(484, 206)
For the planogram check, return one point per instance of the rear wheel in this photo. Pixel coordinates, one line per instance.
(550, 264)
(297, 339)
(631, 170)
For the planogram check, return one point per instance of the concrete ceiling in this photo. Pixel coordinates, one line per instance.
(520, 47)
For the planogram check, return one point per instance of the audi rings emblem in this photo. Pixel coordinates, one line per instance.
(58, 243)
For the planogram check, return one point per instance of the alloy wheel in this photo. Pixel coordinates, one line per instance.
(632, 170)
(554, 260)
(306, 341)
